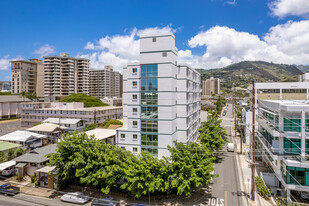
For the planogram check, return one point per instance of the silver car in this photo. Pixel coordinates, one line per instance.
(75, 197)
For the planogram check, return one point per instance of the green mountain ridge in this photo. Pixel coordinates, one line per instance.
(245, 72)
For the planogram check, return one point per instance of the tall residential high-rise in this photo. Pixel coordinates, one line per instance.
(105, 82)
(211, 87)
(65, 75)
(27, 76)
(161, 99)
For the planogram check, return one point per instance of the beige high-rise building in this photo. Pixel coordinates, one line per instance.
(65, 75)
(27, 76)
(211, 87)
(105, 82)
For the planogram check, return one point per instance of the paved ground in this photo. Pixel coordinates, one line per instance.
(9, 126)
(226, 188)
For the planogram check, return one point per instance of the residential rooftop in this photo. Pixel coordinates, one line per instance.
(8, 145)
(13, 98)
(37, 155)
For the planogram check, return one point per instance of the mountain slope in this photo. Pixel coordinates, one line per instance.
(244, 72)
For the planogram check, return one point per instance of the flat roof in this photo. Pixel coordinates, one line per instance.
(100, 133)
(21, 136)
(13, 98)
(62, 120)
(24, 61)
(82, 109)
(8, 145)
(286, 105)
(280, 85)
(46, 169)
(157, 35)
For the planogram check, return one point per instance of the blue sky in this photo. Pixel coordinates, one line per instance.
(209, 33)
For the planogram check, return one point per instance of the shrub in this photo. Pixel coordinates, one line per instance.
(36, 182)
(90, 127)
(33, 178)
(89, 101)
(263, 191)
(108, 122)
(19, 178)
(11, 153)
(19, 151)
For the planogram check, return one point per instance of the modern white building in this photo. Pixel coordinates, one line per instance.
(283, 141)
(161, 99)
(304, 77)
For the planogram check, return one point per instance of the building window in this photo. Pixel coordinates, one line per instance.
(135, 136)
(123, 136)
(164, 54)
(134, 96)
(134, 70)
(134, 83)
(154, 39)
(135, 149)
(134, 123)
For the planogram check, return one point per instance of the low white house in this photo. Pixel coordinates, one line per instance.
(25, 138)
(108, 135)
(52, 131)
(70, 124)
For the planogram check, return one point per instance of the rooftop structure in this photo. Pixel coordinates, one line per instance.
(25, 138)
(108, 135)
(4, 146)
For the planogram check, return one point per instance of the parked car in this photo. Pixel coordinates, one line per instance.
(75, 197)
(107, 201)
(8, 189)
(230, 147)
(8, 171)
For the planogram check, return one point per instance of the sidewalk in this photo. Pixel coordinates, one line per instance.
(245, 178)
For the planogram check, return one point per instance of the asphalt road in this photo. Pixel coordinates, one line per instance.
(226, 188)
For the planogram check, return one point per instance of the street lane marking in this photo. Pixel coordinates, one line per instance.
(216, 202)
(225, 198)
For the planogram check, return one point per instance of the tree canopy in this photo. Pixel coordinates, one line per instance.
(108, 122)
(86, 161)
(89, 101)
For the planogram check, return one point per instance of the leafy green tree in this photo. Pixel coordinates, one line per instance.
(91, 127)
(89, 101)
(212, 134)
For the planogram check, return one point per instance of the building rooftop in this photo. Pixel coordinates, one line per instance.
(83, 109)
(62, 121)
(286, 105)
(13, 98)
(21, 136)
(37, 155)
(157, 35)
(8, 145)
(101, 134)
(46, 127)
(8, 164)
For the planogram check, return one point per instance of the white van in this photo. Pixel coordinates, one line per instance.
(230, 147)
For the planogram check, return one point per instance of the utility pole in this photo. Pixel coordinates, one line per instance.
(253, 144)
(235, 112)
(95, 116)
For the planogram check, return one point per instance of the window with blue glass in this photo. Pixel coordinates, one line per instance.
(292, 146)
(297, 176)
(292, 125)
(149, 70)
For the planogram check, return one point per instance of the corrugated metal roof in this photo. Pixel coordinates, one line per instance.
(46, 127)
(21, 136)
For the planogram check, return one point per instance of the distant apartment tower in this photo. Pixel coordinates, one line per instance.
(65, 75)
(161, 99)
(105, 82)
(27, 76)
(211, 87)
(304, 77)
(5, 86)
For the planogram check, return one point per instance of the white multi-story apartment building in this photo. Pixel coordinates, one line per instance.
(36, 112)
(282, 141)
(65, 75)
(27, 76)
(161, 99)
(105, 83)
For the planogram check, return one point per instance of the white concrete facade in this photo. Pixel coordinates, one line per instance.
(161, 99)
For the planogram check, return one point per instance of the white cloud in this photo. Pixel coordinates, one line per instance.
(5, 62)
(285, 43)
(283, 8)
(45, 50)
(118, 50)
(231, 2)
